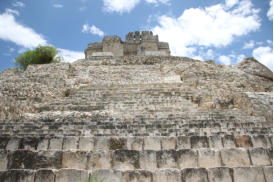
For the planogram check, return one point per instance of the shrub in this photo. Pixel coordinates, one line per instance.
(40, 55)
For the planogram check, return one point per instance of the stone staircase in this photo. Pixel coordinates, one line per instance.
(136, 132)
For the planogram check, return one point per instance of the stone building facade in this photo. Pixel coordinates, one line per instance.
(137, 43)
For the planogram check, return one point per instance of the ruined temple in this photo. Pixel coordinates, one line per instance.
(136, 118)
(137, 43)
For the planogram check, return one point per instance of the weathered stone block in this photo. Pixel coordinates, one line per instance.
(3, 160)
(168, 143)
(43, 144)
(13, 144)
(86, 143)
(71, 175)
(209, 158)
(259, 157)
(108, 175)
(199, 142)
(126, 160)
(17, 176)
(194, 175)
(44, 175)
(215, 142)
(248, 174)
(235, 157)
(3, 142)
(259, 141)
(229, 141)
(75, 159)
(116, 143)
(56, 143)
(29, 143)
(135, 143)
(220, 174)
(166, 159)
(183, 142)
(70, 143)
(137, 176)
(268, 173)
(167, 175)
(243, 141)
(152, 143)
(187, 158)
(99, 160)
(148, 160)
(101, 143)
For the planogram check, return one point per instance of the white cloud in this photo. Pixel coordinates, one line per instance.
(240, 58)
(249, 45)
(12, 11)
(93, 30)
(210, 26)
(70, 56)
(264, 55)
(11, 49)
(225, 60)
(83, 8)
(270, 11)
(19, 34)
(18, 4)
(119, 6)
(269, 42)
(57, 5)
(157, 1)
(231, 3)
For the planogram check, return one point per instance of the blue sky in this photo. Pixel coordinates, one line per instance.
(226, 31)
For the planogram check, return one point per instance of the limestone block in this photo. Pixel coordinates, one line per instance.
(164, 175)
(56, 143)
(117, 143)
(44, 175)
(183, 142)
(135, 143)
(101, 143)
(108, 175)
(126, 160)
(43, 144)
(259, 157)
(70, 143)
(220, 174)
(155, 53)
(248, 174)
(168, 143)
(152, 143)
(99, 160)
(3, 142)
(86, 143)
(194, 175)
(166, 159)
(29, 143)
(235, 157)
(243, 141)
(137, 176)
(102, 54)
(148, 160)
(199, 142)
(215, 142)
(268, 173)
(74, 159)
(3, 160)
(17, 176)
(270, 153)
(187, 158)
(71, 175)
(13, 144)
(209, 158)
(259, 141)
(229, 141)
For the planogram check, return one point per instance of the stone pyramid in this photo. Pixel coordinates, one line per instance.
(136, 119)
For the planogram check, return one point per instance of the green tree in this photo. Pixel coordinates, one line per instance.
(40, 55)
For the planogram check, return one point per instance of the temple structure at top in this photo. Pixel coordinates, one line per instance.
(137, 43)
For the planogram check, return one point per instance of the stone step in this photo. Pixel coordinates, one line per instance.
(222, 174)
(135, 143)
(133, 159)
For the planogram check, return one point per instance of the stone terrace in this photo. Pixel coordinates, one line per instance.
(136, 119)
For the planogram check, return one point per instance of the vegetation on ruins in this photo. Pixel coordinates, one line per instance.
(40, 55)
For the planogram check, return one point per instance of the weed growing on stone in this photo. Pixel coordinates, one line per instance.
(95, 178)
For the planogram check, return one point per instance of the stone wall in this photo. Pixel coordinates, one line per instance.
(137, 43)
